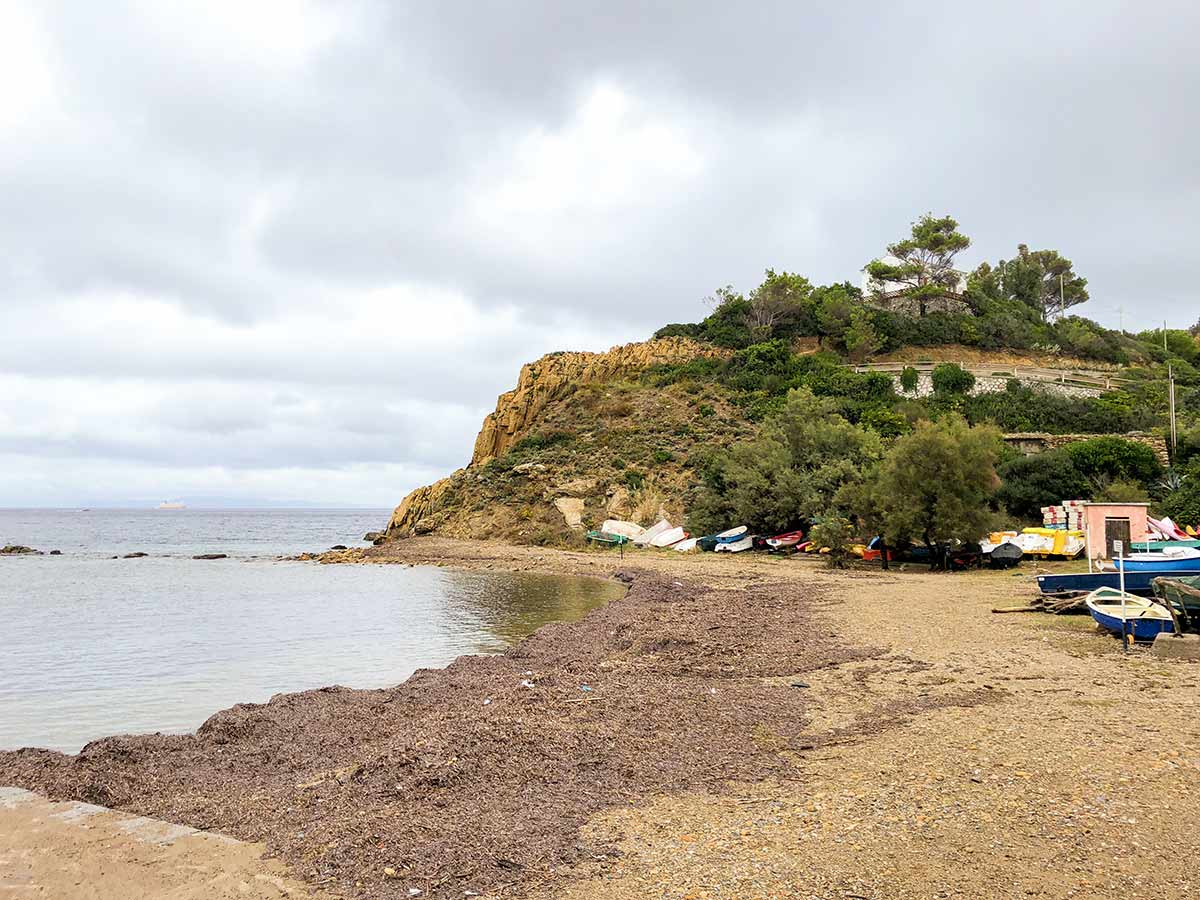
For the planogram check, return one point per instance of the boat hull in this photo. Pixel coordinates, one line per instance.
(1140, 584)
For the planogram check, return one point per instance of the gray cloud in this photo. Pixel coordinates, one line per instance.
(335, 207)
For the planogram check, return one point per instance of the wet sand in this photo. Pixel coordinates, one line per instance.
(870, 735)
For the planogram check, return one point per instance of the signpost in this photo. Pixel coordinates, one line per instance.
(1118, 552)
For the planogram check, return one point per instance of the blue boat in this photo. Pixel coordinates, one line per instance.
(1086, 582)
(1184, 560)
(1141, 619)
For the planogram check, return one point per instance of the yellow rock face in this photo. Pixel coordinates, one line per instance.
(517, 411)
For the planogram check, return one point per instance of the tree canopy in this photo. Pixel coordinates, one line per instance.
(923, 262)
(789, 473)
(935, 485)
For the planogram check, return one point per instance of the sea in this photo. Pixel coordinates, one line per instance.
(92, 645)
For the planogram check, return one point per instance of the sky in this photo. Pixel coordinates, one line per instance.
(289, 252)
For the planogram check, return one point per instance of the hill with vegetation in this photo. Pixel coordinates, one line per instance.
(795, 404)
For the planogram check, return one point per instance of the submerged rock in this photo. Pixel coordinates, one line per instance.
(18, 550)
(211, 556)
(137, 555)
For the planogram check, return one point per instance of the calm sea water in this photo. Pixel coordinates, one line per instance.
(91, 646)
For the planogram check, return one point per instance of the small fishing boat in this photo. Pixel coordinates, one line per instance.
(1174, 559)
(707, 544)
(605, 537)
(1086, 582)
(1003, 556)
(735, 545)
(785, 541)
(1179, 593)
(1141, 619)
(686, 546)
(668, 537)
(1153, 546)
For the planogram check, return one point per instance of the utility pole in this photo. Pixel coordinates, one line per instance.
(1062, 297)
(1165, 336)
(1171, 403)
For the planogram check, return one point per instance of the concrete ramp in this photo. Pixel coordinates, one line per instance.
(76, 851)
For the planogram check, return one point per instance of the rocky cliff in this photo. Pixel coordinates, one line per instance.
(567, 393)
(540, 382)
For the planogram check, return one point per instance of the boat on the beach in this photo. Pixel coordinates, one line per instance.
(1175, 559)
(1086, 582)
(786, 541)
(733, 534)
(1003, 556)
(605, 537)
(1141, 619)
(1180, 594)
(644, 539)
(686, 546)
(630, 530)
(1155, 546)
(668, 537)
(735, 545)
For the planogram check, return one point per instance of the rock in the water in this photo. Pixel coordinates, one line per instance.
(17, 550)
(571, 509)
(374, 536)
(212, 556)
(136, 555)
(339, 547)
(56, 553)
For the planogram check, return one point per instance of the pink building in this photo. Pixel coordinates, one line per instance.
(1108, 522)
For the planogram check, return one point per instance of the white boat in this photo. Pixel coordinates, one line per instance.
(668, 537)
(172, 504)
(737, 546)
(630, 530)
(732, 533)
(685, 546)
(652, 532)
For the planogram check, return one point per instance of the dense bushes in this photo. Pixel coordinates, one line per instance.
(1044, 479)
(1115, 459)
(949, 378)
(1183, 505)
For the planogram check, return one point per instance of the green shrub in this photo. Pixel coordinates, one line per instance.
(541, 440)
(909, 379)
(1120, 491)
(1115, 458)
(634, 479)
(705, 410)
(951, 378)
(1183, 505)
(1044, 479)
(662, 456)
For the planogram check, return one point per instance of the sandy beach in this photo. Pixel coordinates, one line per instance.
(731, 728)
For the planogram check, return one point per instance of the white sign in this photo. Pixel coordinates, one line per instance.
(1118, 547)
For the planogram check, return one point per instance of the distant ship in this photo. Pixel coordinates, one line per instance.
(172, 504)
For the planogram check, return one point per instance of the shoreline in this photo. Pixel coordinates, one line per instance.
(762, 724)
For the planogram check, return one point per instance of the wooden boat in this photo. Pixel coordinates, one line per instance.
(668, 537)
(785, 541)
(1176, 559)
(736, 545)
(686, 546)
(604, 537)
(1181, 594)
(1141, 619)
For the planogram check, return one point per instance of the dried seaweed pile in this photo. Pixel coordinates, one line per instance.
(477, 776)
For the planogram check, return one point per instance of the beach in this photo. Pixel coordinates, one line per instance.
(731, 727)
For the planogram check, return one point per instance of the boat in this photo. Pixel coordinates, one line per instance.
(1003, 556)
(786, 541)
(1086, 582)
(1176, 559)
(172, 504)
(733, 534)
(1153, 546)
(652, 532)
(686, 546)
(668, 537)
(735, 545)
(1181, 594)
(630, 530)
(605, 537)
(1141, 619)
(707, 544)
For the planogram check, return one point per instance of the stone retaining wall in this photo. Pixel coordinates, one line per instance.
(990, 384)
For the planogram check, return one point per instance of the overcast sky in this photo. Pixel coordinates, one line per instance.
(271, 251)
